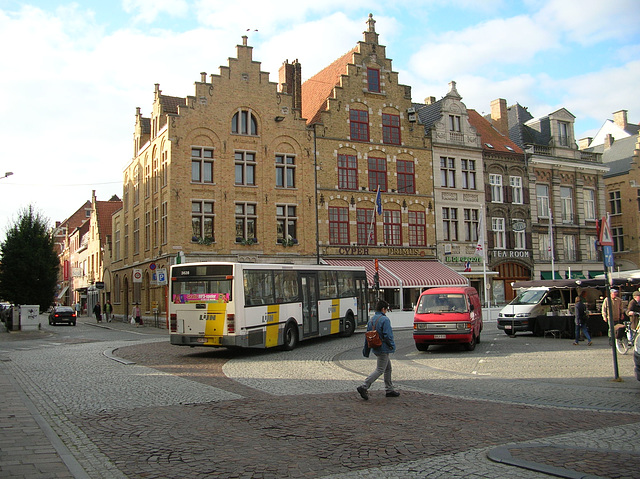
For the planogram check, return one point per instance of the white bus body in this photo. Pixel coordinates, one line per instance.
(263, 305)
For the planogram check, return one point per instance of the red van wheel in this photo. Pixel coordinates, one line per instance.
(471, 345)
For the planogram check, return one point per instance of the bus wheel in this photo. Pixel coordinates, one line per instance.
(290, 337)
(349, 326)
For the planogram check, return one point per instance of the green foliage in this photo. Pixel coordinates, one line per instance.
(28, 262)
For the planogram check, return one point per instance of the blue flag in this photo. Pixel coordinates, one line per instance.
(379, 202)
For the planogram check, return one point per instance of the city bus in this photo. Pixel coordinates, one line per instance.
(249, 305)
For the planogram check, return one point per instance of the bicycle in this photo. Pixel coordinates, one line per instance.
(630, 337)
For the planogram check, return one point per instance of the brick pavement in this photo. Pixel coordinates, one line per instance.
(247, 427)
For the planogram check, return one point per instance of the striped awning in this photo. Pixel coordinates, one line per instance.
(407, 273)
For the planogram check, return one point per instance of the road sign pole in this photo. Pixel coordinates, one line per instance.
(605, 241)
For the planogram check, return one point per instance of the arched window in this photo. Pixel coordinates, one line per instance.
(244, 123)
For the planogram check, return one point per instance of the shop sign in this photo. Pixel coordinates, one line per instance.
(462, 259)
(521, 253)
(519, 226)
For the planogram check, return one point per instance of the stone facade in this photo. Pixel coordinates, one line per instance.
(368, 137)
(226, 174)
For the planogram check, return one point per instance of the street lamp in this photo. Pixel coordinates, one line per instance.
(8, 173)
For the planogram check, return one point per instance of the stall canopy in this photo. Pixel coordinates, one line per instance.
(406, 274)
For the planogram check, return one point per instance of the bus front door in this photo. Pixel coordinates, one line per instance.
(309, 304)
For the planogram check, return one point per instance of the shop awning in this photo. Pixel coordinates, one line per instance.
(62, 292)
(576, 275)
(407, 274)
(549, 275)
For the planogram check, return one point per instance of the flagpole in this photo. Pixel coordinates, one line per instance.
(377, 210)
(553, 267)
(480, 248)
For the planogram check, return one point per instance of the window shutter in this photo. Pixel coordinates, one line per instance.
(487, 192)
(525, 195)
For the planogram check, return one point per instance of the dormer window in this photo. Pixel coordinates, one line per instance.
(454, 123)
(244, 123)
(563, 133)
(373, 80)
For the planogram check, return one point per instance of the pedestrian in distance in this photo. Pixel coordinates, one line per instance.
(633, 309)
(581, 321)
(614, 311)
(97, 310)
(107, 311)
(77, 308)
(137, 316)
(381, 323)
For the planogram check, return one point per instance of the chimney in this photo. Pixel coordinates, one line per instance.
(499, 116)
(620, 119)
(430, 100)
(583, 143)
(290, 81)
(608, 140)
(203, 77)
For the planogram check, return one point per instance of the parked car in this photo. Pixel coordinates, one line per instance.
(62, 314)
(448, 315)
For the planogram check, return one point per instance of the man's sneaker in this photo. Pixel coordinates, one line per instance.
(363, 392)
(393, 394)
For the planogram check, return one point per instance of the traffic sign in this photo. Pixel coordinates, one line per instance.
(137, 275)
(605, 233)
(607, 252)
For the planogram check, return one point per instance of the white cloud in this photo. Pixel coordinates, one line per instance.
(147, 11)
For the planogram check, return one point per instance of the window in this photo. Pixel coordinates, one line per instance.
(544, 246)
(373, 80)
(347, 172)
(116, 243)
(126, 241)
(615, 203)
(359, 125)
(450, 224)
(517, 197)
(390, 129)
(147, 181)
(202, 221)
(377, 174)
(617, 235)
(201, 165)
(246, 219)
(542, 198)
(392, 228)
(468, 168)
(165, 223)
(286, 220)
(147, 231)
(569, 243)
(495, 182)
(137, 175)
(245, 168)
(366, 226)
(244, 123)
(417, 228)
(566, 197)
(155, 227)
(470, 224)
(563, 133)
(448, 172)
(406, 176)
(136, 236)
(285, 171)
(519, 235)
(164, 168)
(454, 123)
(338, 225)
(589, 205)
(499, 235)
(638, 200)
(590, 253)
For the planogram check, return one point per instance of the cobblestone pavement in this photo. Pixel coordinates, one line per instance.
(163, 411)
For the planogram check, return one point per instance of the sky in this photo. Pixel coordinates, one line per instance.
(73, 73)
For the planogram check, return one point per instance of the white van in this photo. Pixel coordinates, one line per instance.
(520, 313)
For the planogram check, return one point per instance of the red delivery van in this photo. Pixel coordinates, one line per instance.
(448, 315)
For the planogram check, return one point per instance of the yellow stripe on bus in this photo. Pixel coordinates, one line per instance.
(214, 324)
(335, 316)
(272, 320)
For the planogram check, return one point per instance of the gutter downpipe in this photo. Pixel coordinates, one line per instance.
(315, 180)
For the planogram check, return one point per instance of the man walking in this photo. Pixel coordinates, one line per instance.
(381, 323)
(614, 311)
(581, 321)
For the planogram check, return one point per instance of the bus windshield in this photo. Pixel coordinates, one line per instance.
(529, 296)
(201, 290)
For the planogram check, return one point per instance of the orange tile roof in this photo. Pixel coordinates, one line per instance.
(317, 89)
(490, 135)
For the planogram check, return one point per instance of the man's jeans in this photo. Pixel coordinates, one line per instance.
(383, 367)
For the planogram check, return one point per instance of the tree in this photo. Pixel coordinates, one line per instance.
(28, 262)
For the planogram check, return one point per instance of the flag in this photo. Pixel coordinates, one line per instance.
(480, 245)
(378, 202)
(550, 234)
(467, 267)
